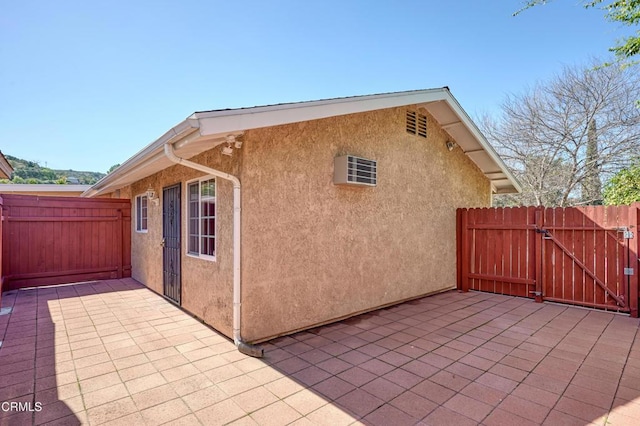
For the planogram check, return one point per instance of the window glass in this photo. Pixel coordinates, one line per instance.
(202, 214)
(141, 213)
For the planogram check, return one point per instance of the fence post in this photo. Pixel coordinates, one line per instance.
(458, 249)
(634, 251)
(464, 261)
(537, 256)
(119, 243)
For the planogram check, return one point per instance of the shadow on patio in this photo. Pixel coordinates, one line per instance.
(114, 352)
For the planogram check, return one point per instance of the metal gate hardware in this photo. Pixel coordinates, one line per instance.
(628, 271)
(627, 234)
(546, 235)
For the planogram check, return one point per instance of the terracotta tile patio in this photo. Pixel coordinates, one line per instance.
(113, 352)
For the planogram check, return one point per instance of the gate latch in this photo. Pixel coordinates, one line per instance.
(626, 234)
(628, 271)
(544, 232)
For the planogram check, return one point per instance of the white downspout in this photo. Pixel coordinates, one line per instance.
(237, 338)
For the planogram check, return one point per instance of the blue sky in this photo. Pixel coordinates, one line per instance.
(86, 84)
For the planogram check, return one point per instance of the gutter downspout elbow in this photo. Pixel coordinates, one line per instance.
(243, 347)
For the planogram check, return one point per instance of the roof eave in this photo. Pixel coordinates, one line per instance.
(221, 122)
(517, 188)
(148, 154)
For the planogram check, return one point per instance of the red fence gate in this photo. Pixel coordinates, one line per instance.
(53, 240)
(585, 256)
(1, 274)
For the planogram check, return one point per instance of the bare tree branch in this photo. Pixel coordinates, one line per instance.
(545, 135)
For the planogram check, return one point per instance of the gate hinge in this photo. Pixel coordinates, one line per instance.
(628, 271)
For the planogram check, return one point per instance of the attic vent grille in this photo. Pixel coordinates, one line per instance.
(416, 124)
(351, 170)
(422, 126)
(411, 122)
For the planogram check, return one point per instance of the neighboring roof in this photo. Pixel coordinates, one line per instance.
(5, 168)
(42, 189)
(207, 129)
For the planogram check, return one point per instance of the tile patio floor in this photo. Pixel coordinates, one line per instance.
(113, 352)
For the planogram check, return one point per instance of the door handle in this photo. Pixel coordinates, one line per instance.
(164, 242)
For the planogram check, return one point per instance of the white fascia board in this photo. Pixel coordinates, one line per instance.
(147, 155)
(464, 117)
(41, 187)
(215, 122)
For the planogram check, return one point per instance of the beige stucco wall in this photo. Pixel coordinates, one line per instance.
(313, 251)
(206, 285)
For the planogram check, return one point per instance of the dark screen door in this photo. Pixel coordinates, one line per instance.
(171, 242)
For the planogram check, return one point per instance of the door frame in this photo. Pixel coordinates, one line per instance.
(177, 297)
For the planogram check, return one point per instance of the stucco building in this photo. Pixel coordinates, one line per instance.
(266, 220)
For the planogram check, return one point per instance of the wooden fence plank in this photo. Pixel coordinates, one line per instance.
(623, 223)
(576, 235)
(579, 251)
(477, 251)
(62, 239)
(578, 256)
(504, 266)
(600, 252)
(538, 253)
(612, 276)
(590, 244)
(548, 258)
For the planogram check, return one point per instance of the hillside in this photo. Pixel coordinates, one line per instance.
(25, 171)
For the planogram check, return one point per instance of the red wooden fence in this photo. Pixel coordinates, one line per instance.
(53, 240)
(586, 256)
(1, 275)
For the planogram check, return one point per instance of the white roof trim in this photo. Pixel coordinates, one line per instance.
(8, 188)
(212, 126)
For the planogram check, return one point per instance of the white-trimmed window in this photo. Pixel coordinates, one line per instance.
(141, 213)
(201, 225)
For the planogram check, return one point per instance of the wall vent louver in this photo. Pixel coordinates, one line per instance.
(422, 125)
(351, 170)
(416, 124)
(411, 122)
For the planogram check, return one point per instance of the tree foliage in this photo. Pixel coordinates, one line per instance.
(25, 171)
(624, 186)
(562, 138)
(626, 12)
